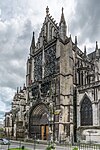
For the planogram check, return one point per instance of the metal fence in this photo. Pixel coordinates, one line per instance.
(59, 146)
(82, 146)
(70, 145)
(87, 146)
(65, 144)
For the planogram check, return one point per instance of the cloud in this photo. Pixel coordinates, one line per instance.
(15, 38)
(85, 21)
(14, 46)
(18, 19)
(6, 94)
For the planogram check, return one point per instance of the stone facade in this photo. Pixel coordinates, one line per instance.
(62, 95)
(15, 119)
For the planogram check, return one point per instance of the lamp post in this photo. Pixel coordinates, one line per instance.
(50, 121)
(34, 141)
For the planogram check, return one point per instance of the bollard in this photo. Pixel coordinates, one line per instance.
(23, 147)
(8, 146)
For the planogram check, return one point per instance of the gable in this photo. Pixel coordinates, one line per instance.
(48, 31)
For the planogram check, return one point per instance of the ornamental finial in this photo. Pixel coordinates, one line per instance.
(85, 50)
(62, 9)
(62, 20)
(75, 40)
(47, 10)
(96, 45)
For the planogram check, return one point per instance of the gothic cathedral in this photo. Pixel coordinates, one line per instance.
(61, 99)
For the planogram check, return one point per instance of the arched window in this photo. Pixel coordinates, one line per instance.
(86, 112)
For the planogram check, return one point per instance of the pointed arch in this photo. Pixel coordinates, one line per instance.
(38, 121)
(86, 114)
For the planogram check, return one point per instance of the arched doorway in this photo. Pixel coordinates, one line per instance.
(86, 112)
(38, 122)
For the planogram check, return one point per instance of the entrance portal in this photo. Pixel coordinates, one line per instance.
(38, 122)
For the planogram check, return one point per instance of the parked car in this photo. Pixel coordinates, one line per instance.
(4, 142)
(1, 141)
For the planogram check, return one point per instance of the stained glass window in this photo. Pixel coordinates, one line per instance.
(86, 112)
(50, 59)
(38, 67)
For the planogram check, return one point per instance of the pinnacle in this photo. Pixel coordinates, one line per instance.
(47, 10)
(62, 20)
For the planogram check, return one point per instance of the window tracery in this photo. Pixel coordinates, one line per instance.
(38, 67)
(86, 112)
(50, 59)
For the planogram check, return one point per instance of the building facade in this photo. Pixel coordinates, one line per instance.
(15, 119)
(62, 94)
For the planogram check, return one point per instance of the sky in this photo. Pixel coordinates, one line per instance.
(18, 20)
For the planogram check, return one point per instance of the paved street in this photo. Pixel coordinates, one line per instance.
(36, 146)
(31, 146)
(3, 147)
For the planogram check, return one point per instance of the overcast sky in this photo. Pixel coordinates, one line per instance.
(19, 18)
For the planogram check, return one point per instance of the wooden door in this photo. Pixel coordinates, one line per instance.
(42, 132)
(47, 132)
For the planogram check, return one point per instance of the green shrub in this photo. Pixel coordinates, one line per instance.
(50, 147)
(17, 149)
(75, 148)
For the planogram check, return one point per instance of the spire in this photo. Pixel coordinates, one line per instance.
(20, 89)
(33, 41)
(62, 20)
(75, 40)
(84, 50)
(96, 51)
(47, 10)
(96, 45)
(32, 48)
(17, 90)
(62, 27)
(24, 87)
(70, 37)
